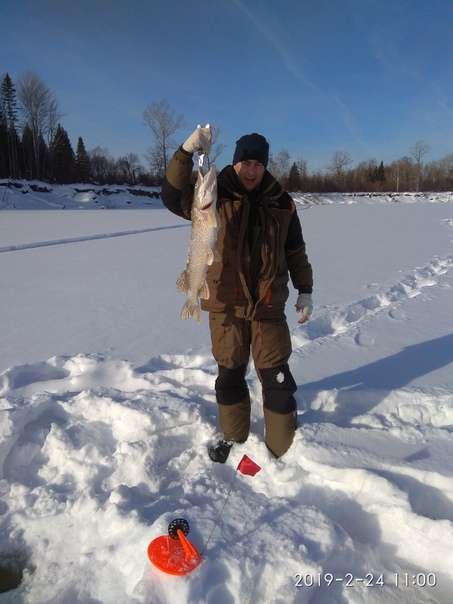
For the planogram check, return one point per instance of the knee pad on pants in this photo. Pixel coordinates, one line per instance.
(230, 385)
(278, 388)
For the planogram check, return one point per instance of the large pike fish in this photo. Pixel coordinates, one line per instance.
(202, 252)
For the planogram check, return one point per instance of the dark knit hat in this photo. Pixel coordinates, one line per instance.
(252, 146)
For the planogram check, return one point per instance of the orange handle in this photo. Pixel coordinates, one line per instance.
(190, 550)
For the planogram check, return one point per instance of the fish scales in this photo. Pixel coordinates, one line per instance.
(202, 252)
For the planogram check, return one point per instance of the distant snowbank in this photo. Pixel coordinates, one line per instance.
(35, 195)
(390, 197)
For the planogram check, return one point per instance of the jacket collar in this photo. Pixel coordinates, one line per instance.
(268, 190)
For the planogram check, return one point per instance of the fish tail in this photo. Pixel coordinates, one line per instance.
(191, 309)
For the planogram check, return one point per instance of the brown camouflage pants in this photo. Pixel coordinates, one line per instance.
(269, 343)
(233, 340)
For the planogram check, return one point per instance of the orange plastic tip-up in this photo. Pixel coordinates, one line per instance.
(174, 554)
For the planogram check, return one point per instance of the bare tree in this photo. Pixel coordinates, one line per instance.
(402, 173)
(156, 162)
(219, 147)
(129, 167)
(418, 151)
(438, 174)
(279, 165)
(340, 161)
(163, 122)
(363, 172)
(100, 162)
(446, 166)
(41, 112)
(302, 165)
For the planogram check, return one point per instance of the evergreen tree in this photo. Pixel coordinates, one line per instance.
(82, 162)
(9, 111)
(28, 154)
(293, 183)
(380, 172)
(4, 161)
(63, 168)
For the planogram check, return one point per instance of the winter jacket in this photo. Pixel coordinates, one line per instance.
(260, 242)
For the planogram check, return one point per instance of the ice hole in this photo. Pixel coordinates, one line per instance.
(11, 572)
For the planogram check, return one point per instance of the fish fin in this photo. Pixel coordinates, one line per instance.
(209, 257)
(217, 256)
(212, 220)
(181, 283)
(191, 309)
(204, 290)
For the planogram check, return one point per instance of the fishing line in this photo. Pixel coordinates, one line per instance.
(221, 512)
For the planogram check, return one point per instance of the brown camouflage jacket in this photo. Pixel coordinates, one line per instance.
(260, 242)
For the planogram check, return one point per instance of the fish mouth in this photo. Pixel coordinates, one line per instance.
(207, 206)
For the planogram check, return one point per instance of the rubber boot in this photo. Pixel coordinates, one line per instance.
(235, 420)
(219, 452)
(280, 429)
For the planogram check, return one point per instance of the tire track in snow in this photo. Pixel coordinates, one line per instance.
(39, 244)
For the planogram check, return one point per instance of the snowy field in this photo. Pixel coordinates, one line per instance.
(107, 410)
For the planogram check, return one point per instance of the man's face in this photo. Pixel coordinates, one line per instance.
(250, 173)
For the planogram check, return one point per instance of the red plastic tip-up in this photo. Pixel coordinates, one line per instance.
(174, 556)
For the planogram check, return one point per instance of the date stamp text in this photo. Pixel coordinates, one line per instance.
(368, 580)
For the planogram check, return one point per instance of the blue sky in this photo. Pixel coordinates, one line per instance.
(370, 77)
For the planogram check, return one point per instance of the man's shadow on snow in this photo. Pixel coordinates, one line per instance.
(376, 380)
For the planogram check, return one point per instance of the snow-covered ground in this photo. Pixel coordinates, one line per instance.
(107, 410)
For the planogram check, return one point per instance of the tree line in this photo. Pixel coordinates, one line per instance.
(409, 173)
(35, 146)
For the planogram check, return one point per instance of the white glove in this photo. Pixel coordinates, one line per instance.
(199, 140)
(305, 304)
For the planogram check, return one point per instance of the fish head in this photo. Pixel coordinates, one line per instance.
(205, 196)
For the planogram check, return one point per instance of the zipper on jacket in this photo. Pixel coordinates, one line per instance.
(243, 225)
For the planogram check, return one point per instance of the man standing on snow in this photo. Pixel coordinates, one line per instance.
(260, 244)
